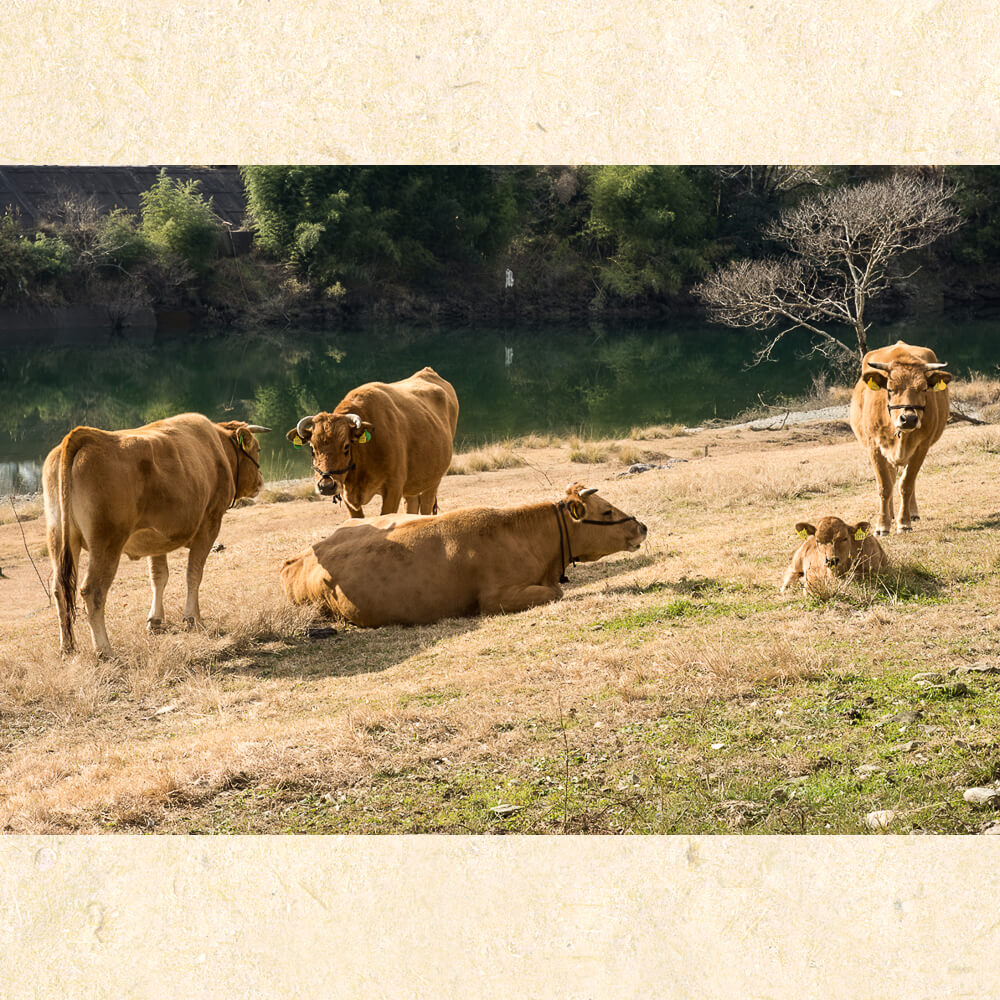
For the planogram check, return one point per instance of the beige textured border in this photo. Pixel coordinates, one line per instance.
(223, 81)
(362, 918)
(377, 81)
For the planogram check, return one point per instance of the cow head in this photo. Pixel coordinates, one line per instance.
(599, 528)
(908, 384)
(335, 440)
(837, 543)
(246, 447)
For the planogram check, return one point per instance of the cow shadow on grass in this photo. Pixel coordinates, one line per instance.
(351, 651)
(983, 524)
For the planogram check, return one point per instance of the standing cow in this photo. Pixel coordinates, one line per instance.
(144, 492)
(898, 410)
(394, 439)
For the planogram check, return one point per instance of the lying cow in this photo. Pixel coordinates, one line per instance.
(898, 410)
(394, 439)
(144, 492)
(406, 570)
(833, 549)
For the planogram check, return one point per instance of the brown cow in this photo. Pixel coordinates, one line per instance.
(833, 548)
(394, 439)
(408, 570)
(898, 410)
(144, 492)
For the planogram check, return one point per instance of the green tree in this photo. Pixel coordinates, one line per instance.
(650, 227)
(177, 219)
(365, 224)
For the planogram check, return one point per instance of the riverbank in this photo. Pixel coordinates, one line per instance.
(670, 691)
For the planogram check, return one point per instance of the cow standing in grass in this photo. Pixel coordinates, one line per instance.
(832, 548)
(406, 570)
(144, 492)
(394, 439)
(898, 410)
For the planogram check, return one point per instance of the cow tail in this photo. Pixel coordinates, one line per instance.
(65, 581)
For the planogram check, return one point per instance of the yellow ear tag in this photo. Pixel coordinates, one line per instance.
(872, 384)
(940, 386)
(365, 438)
(859, 535)
(296, 442)
(802, 533)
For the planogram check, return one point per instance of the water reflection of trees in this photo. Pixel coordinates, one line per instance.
(597, 380)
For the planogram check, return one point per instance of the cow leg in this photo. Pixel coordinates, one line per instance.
(907, 484)
(413, 505)
(390, 500)
(428, 502)
(886, 481)
(197, 554)
(507, 600)
(101, 569)
(158, 574)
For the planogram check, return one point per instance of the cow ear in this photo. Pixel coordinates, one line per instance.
(803, 529)
(576, 509)
(293, 436)
(362, 434)
(938, 381)
(875, 380)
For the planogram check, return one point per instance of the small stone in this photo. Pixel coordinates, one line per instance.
(928, 677)
(868, 770)
(908, 747)
(993, 830)
(976, 668)
(505, 809)
(163, 709)
(901, 719)
(981, 796)
(718, 746)
(219, 548)
(879, 819)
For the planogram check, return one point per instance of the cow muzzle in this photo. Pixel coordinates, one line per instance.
(832, 561)
(640, 536)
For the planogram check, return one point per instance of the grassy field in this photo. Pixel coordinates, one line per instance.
(670, 691)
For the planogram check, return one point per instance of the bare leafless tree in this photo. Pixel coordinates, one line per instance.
(840, 243)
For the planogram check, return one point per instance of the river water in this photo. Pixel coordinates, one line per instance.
(589, 380)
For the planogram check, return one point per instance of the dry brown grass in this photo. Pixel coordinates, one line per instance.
(488, 459)
(656, 431)
(24, 510)
(180, 718)
(979, 390)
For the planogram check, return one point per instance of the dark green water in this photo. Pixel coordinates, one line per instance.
(597, 380)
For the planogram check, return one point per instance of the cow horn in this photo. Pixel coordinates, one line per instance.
(935, 365)
(304, 426)
(354, 419)
(258, 429)
(588, 492)
(881, 366)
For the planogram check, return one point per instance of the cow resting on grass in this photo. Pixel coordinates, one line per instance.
(394, 439)
(833, 549)
(407, 570)
(144, 492)
(898, 410)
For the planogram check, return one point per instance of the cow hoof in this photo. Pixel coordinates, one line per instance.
(154, 625)
(194, 624)
(916, 517)
(882, 532)
(904, 527)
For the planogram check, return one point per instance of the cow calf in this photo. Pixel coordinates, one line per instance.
(831, 549)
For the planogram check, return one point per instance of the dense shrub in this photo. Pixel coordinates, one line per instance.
(177, 219)
(27, 264)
